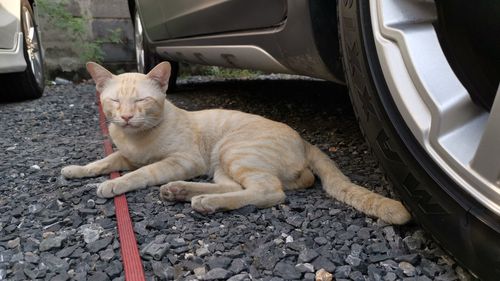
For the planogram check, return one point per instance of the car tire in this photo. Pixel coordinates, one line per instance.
(146, 57)
(464, 227)
(30, 83)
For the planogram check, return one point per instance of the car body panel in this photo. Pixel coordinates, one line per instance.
(185, 18)
(271, 47)
(10, 15)
(11, 38)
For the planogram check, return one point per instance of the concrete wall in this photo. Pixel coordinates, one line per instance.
(104, 16)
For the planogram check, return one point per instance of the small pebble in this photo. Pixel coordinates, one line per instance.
(323, 275)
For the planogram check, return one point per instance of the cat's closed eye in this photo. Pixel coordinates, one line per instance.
(141, 100)
(114, 100)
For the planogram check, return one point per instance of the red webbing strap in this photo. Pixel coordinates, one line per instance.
(128, 245)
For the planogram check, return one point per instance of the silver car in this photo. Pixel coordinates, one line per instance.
(423, 77)
(21, 59)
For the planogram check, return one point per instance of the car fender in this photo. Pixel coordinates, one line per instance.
(11, 37)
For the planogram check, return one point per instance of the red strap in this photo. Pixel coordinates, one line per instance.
(128, 244)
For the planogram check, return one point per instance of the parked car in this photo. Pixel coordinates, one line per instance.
(21, 58)
(422, 76)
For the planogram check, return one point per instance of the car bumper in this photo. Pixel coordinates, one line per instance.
(13, 60)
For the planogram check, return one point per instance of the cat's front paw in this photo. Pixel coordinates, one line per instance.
(74, 172)
(108, 189)
(173, 191)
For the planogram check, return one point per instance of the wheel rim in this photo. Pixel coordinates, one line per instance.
(459, 136)
(139, 48)
(32, 46)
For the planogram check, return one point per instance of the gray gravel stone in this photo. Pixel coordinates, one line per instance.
(62, 277)
(107, 254)
(54, 263)
(374, 273)
(163, 271)
(203, 251)
(356, 276)
(321, 240)
(390, 276)
(98, 245)
(51, 243)
(18, 257)
(114, 268)
(35, 273)
(411, 258)
(412, 244)
(407, 268)
(295, 221)
(155, 250)
(325, 263)
(342, 271)
(287, 271)
(178, 242)
(239, 277)
(307, 255)
(219, 262)
(98, 276)
(91, 232)
(66, 251)
(304, 267)
(200, 271)
(14, 243)
(217, 274)
(31, 257)
(238, 265)
(364, 233)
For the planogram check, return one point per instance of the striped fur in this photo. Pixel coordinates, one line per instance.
(253, 160)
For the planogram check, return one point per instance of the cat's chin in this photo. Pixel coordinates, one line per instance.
(128, 128)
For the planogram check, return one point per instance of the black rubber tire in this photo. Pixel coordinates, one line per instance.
(460, 224)
(151, 59)
(22, 85)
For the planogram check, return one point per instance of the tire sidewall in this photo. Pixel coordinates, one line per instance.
(37, 88)
(150, 59)
(436, 202)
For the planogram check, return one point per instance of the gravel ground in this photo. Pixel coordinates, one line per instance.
(53, 229)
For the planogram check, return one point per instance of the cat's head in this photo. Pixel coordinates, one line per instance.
(132, 101)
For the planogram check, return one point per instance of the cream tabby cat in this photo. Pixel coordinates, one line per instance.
(253, 160)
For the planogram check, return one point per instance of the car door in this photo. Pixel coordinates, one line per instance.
(172, 19)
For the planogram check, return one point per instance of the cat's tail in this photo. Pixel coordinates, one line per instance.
(337, 185)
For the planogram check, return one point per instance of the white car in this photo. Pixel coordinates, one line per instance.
(21, 58)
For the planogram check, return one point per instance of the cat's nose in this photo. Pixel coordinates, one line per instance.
(126, 117)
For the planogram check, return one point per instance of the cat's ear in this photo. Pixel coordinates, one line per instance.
(100, 74)
(161, 74)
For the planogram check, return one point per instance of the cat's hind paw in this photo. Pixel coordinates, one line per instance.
(74, 172)
(108, 189)
(203, 204)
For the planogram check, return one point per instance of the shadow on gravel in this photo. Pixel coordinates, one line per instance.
(320, 94)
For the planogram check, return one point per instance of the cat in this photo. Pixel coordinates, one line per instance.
(252, 160)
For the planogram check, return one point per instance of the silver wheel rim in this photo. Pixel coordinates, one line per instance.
(32, 46)
(139, 48)
(460, 137)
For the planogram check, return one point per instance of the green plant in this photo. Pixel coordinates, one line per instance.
(187, 69)
(232, 72)
(75, 27)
